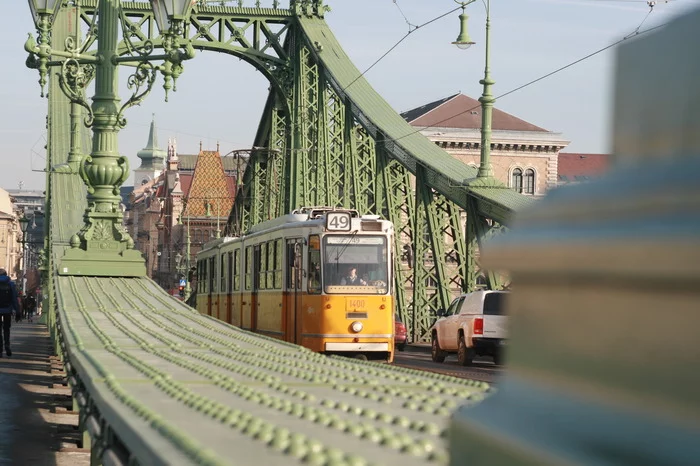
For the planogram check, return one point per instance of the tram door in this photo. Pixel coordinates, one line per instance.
(255, 301)
(293, 287)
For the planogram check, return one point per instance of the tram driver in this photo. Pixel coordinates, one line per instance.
(352, 279)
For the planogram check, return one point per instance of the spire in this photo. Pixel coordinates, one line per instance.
(151, 156)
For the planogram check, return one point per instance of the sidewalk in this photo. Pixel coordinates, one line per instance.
(35, 426)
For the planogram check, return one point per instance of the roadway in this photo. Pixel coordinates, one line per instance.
(418, 357)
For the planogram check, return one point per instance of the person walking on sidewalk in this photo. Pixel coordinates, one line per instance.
(30, 307)
(8, 304)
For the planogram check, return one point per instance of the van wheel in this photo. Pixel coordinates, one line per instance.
(437, 354)
(465, 356)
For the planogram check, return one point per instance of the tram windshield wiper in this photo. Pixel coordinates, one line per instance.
(345, 246)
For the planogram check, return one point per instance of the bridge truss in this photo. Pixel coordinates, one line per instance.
(327, 138)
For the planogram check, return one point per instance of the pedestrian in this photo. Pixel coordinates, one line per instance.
(30, 307)
(8, 304)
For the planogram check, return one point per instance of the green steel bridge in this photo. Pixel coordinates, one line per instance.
(157, 383)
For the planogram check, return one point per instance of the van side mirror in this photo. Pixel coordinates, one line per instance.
(441, 313)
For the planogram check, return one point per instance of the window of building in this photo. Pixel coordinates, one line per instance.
(516, 180)
(529, 182)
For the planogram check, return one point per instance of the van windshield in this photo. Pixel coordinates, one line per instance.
(494, 304)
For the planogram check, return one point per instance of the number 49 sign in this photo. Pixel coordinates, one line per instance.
(338, 221)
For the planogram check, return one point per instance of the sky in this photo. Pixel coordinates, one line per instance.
(220, 98)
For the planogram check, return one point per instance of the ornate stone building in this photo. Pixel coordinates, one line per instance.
(525, 157)
(191, 193)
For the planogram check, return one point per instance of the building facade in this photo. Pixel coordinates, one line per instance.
(10, 235)
(186, 201)
(524, 156)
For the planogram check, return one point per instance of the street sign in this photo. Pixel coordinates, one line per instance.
(182, 282)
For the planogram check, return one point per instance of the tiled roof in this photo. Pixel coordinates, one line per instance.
(580, 167)
(461, 111)
(209, 184)
(188, 162)
(185, 183)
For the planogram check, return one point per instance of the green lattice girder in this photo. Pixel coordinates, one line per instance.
(321, 141)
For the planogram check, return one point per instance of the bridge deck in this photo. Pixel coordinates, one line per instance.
(183, 388)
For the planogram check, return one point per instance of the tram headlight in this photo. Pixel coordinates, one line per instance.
(356, 327)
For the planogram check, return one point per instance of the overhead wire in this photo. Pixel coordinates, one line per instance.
(569, 65)
(411, 26)
(411, 31)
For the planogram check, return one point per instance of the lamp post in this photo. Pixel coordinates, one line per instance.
(103, 247)
(186, 266)
(487, 100)
(23, 225)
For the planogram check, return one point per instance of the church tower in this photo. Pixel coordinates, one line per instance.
(151, 157)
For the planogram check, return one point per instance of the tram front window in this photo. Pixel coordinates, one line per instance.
(355, 264)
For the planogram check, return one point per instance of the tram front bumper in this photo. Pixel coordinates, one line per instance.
(357, 347)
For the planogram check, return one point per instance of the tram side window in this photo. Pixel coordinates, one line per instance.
(237, 269)
(291, 256)
(222, 273)
(262, 272)
(199, 277)
(229, 272)
(314, 283)
(248, 268)
(205, 283)
(212, 281)
(271, 253)
(278, 264)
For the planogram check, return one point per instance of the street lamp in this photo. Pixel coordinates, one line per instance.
(487, 100)
(103, 247)
(186, 265)
(23, 225)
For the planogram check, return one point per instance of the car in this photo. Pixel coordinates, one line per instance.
(475, 324)
(400, 334)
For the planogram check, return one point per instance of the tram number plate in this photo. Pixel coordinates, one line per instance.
(354, 304)
(338, 221)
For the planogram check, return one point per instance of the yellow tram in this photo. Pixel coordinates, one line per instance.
(319, 277)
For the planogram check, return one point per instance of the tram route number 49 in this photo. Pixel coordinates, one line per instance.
(338, 221)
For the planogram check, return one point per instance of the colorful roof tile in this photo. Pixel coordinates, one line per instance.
(209, 191)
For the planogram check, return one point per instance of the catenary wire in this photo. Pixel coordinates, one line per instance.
(399, 42)
(636, 33)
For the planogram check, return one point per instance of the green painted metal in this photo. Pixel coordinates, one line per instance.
(132, 352)
(338, 128)
(194, 390)
(319, 141)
